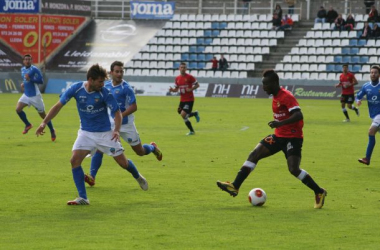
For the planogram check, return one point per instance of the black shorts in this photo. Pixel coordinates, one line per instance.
(347, 99)
(290, 146)
(185, 106)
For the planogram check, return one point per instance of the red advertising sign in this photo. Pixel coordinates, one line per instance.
(38, 35)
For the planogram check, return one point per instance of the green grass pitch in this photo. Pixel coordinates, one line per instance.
(183, 208)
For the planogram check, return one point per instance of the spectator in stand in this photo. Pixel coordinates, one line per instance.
(278, 11)
(223, 64)
(373, 15)
(366, 31)
(245, 9)
(331, 15)
(339, 23)
(321, 15)
(276, 22)
(291, 4)
(214, 62)
(350, 23)
(368, 4)
(375, 31)
(286, 23)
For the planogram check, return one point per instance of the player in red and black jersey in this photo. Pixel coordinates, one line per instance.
(186, 84)
(347, 81)
(287, 137)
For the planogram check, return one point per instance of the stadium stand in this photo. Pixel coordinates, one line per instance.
(243, 39)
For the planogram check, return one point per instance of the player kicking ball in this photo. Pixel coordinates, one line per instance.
(287, 137)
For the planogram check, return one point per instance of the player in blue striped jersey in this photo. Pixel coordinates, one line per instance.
(31, 76)
(126, 100)
(95, 132)
(371, 89)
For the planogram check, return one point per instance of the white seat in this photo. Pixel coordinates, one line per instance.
(226, 74)
(279, 67)
(304, 58)
(313, 67)
(321, 59)
(321, 67)
(305, 75)
(296, 67)
(317, 26)
(250, 66)
(287, 58)
(313, 76)
(242, 74)
(304, 67)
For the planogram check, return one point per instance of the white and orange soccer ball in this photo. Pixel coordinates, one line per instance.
(257, 197)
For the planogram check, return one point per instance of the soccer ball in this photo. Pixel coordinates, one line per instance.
(257, 197)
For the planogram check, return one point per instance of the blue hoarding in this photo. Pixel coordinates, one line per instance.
(20, 6)
(152, 10)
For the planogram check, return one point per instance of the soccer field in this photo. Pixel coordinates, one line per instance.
(183, 208)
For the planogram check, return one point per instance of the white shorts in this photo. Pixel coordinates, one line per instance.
(376, 122)
(101, 141)
(35, 101)
(129, 133)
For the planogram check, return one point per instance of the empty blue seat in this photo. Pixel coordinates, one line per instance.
(364, 59)
(215, 33)
(193, 57)
(193, 49)
(338, 68)
(330, 67)
(354, 51)
(200, 49)
(207, 33)
(345, 51)
(359, 33)
(185, 57)
(215, 25)
(209, 57)
(201, 57)
(223, 25)
(208, 41)
(337, 59)
(356, 68)
(176, 65)
(346, 59)
(201, 65)
(353, 42)
(193, 65)
(355, 59)
(370, 24)
(200, 41)
(362, 42)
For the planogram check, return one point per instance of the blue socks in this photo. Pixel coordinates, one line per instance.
(23, 118)
(148, 148)
(132, 169)
(96, 162)
(50, 125)
(78, 176)
(370, 146)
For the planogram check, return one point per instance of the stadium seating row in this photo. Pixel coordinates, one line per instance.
(229, 18)
(216, 25)
(332, 34)
(222, 33)
(337, 42)
(197, 73)
(328, 26)
(320, 67)
(331, 51)
(329, 59)
(214, 41)
(319, 76)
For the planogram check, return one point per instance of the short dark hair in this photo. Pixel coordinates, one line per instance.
(271, 75)
(376, 67)
(116, 63)
(345, 65)
(27, 55)
(96, 71)
(183, 63)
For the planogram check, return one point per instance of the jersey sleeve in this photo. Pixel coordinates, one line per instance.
(291, 103)
(361, 93)
(130, 94)
(36, 76)
(68, 94)
(192, 80)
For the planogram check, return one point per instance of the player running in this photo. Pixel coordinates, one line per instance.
(95, 128)
(186, 84)
(371, 89)
(347, 81)
(287, 137)
(126, 100)
(32, 76)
